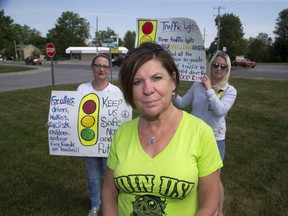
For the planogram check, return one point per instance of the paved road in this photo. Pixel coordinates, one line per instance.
(274, 71)
(64, 73)
(79, 72)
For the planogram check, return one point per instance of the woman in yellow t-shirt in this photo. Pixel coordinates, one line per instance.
(164, 162)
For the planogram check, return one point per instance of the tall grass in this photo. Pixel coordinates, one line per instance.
(255, 168)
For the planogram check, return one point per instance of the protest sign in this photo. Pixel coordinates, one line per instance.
(83, 124)
(182, 38)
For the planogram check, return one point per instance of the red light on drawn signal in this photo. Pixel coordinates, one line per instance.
(89, 107)
(147, 28)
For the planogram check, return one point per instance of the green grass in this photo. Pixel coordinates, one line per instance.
(255, 168)
(13, 68)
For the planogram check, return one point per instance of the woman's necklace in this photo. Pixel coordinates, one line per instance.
(151, 140)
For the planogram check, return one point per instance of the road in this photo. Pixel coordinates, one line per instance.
(79, 72)
(274, 71)
(64, 73)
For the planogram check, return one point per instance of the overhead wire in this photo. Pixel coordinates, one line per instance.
(210, 28)
(240, 8)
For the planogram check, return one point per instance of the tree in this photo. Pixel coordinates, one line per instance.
(281, 39)
(104, 36)
(129, 39)
(12, 35)
(231, 35)
(7, 48)
(70, 30)
(24, 35)
(121, 42)
(255, 49)
(265, 39)
(259, 48)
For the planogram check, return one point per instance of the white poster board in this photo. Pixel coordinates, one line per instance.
(183, 39)
(83, 124)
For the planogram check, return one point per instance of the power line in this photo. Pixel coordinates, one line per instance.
(245, 8)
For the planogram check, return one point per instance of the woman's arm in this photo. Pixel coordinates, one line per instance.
(209, 187)
(109, 195)
(186, 100)
(220, 107)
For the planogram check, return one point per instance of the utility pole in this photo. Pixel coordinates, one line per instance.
(16, 55)
(204, 36)
(218, 26)
(96, 35)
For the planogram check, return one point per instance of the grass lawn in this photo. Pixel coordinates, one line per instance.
(14, 68)
(255, 168)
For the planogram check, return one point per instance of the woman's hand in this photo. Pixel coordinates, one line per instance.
(47, 125)
(206, 82)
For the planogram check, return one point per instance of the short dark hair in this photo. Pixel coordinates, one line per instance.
(135, 58)
(100, 55)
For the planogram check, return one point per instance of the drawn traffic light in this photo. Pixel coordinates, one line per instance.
(88, 120)
(146, 31)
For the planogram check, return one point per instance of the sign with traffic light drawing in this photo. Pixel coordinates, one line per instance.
(182, 38)
(83, 124)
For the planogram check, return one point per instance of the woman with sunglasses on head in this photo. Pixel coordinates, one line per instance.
(156, 166)
(211, 99)
(96, 166)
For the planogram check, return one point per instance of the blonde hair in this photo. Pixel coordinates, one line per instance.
(221, 83)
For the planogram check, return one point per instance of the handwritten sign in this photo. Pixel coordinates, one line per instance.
(182, 38)
(83, 124)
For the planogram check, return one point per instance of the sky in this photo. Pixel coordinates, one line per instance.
(256, 16)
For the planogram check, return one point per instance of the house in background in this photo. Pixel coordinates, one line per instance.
(28, 50)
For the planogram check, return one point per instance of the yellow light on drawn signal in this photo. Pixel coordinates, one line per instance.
(88, 121)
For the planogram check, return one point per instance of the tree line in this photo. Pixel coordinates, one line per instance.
(72, 30)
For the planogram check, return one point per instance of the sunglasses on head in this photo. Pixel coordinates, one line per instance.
(150, 46)
(217, 65)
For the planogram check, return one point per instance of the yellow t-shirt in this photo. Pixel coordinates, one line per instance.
(166, 184)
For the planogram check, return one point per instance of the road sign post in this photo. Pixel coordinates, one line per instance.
(51, 51)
